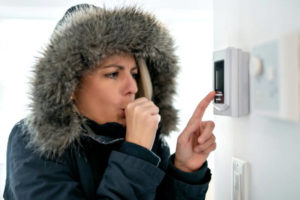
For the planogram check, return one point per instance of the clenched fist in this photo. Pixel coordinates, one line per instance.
(142, 118)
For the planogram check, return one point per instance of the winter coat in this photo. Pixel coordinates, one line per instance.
(56, 153)
(102, 166)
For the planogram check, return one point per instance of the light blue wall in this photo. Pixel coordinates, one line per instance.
(271, 146)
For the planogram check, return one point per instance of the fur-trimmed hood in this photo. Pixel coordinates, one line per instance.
(84, 36)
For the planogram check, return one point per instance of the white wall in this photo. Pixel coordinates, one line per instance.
(270, 146)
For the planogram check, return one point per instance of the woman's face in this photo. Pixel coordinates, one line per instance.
(104, 93)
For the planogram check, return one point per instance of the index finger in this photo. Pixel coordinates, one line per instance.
(199, 112)
(195, 120)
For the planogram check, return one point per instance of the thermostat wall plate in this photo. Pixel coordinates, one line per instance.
(275, 78)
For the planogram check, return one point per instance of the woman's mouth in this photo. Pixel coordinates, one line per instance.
(123, 112)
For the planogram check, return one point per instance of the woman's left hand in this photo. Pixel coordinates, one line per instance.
(196, 141)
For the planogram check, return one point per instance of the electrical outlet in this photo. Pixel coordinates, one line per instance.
(239, 179)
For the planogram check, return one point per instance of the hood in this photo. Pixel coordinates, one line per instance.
(84, 36)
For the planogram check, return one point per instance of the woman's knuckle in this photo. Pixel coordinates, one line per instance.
(134, 109)
(215, 146)
(129, 106)
(213, 137)
(211, 124)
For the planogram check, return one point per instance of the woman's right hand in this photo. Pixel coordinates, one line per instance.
(142, 118)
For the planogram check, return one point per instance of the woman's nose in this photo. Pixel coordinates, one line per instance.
(130, 84)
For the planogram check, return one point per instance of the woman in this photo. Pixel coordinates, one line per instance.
(101, 105)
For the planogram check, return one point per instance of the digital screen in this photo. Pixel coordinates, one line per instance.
(219, 81)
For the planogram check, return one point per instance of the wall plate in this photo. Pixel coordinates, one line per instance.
(239, 184)
(275, 78)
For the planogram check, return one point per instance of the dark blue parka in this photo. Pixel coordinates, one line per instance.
(102, 166)
(56, 153)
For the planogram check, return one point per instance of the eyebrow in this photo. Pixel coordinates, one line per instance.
(118, 66)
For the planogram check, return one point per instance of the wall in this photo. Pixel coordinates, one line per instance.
(271, 146)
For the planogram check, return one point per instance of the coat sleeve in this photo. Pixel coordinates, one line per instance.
(145, 180)
(129, 177)
(178, 184)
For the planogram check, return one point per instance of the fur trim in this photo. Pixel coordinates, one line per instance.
(80, 40)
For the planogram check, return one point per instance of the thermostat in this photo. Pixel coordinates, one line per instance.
(231, 82)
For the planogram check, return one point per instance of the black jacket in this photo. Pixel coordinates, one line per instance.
(99, 166)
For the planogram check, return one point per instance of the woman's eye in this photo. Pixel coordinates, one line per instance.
(112, 75)
(135, 76)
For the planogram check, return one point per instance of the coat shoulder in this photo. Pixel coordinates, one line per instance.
(19, 145)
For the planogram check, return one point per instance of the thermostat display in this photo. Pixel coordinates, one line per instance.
(219, 81)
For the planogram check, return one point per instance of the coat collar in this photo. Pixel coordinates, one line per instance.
(107, 133)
